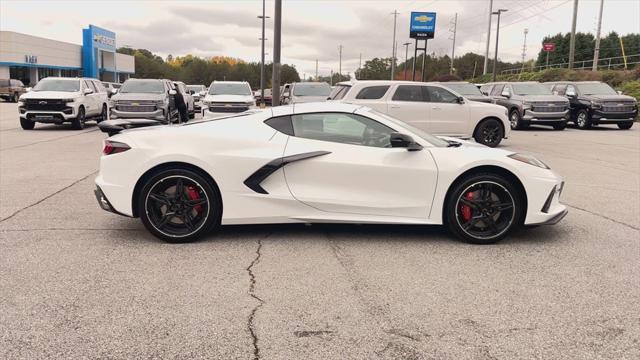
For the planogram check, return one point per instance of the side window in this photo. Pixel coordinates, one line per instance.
(339, 92)
(560, 89)
(99, 87)
(440, 95)
(485, 89)
(497, 90)
(282, 124)
(89, 85)
(342, 128)
(409, 93)
(372, 92)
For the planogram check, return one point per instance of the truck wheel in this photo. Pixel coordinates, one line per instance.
(15, 98)
(489, 132)
(78, 122)
(625, 125)
(516, 121)
(560, 126)
(27, 124)
(103, 114)
(583, 120)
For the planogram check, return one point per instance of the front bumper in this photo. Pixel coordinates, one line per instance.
(601, 117)
(156, 115)
(51, 117)
(545, 209)
(534, 116)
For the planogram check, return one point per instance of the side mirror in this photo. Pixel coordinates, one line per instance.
(192, 92)
(27, 89)
(506, 93)
(619, 92)
(404, 141)
(88, 91)
(571, 93)
(172, 92)
(203, 93)
(460, 100)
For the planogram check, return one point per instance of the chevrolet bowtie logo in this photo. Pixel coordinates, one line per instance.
(42, 103)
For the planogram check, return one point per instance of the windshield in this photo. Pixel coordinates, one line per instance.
(531, 89)
(424, 135)
(229, 89)
(302, 89)
(142, 86)
(464, 89)
(196, 88)
(596, 89)
(68, 85)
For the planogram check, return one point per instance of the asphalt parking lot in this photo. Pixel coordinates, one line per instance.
(78, 282)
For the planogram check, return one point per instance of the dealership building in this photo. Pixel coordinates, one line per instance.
(31, 58)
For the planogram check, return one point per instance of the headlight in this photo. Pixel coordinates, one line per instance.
(596, 105)
(526, 105)
(529, 159)
(68, 100)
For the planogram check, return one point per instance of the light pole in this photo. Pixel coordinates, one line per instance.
(406, 55)
(495, 57)
(262, 39)
(277, 31)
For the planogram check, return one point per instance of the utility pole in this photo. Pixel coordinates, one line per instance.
(316, 69)
(262, 39)
(495, 57)
(277, 32)
(453, 47)
(393, 50)
(340, 63)
(524, 50)
(406, 55)
(331, 78)
(486, 52)
(572, 42)
(596, 51)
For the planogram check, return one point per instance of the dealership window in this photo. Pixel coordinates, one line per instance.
(70, 73)
(46, 72)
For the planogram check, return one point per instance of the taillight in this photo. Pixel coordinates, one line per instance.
(114, 147)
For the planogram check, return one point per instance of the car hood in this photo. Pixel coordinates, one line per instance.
(50, 95)
(610, 97)
(550, 98)
(229, 98)
(137, 96)
(306, 99)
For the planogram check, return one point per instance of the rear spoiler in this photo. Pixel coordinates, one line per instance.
(112, 127)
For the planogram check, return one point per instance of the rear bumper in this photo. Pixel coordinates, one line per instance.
(104, 202)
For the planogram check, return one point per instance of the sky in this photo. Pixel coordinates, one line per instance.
(313, 29)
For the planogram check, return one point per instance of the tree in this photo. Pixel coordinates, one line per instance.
(375, 69)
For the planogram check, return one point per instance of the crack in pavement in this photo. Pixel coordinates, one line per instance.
(602, 216)
(252, 286)
(49, 140)
(47, 197)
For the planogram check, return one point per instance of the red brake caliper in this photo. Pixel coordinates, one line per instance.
(466, 209)
(193, 195)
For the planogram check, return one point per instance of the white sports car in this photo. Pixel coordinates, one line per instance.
(320, 162)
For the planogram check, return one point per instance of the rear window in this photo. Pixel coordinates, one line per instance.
(372, 92)
(339, 92)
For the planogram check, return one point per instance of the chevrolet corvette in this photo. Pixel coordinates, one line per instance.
(320, 162)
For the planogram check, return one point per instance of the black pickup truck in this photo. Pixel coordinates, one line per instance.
(593, 103)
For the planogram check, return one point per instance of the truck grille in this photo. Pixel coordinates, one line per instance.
(549, 107)
(44, 105)
(618, 107)
(228, 107)
(134, 108)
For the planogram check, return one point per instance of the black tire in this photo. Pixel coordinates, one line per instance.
(168, 217)
(78, 122)
(583, 119)
(516, 120)
(103, 114)
(27, 124)
(15, 97)
(192, 115)
(560, 125)
(489, 132)
(625, 125)
(487, 219)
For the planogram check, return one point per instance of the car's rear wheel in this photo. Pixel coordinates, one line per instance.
(583, 120)
(179, 205)
(103, 114)
(27, 124)
(78, 122)
(489, 132)
(625, 125)
(516, 120)
(483, 208)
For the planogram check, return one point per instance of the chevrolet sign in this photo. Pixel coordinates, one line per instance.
(104, 40)
(422, 25)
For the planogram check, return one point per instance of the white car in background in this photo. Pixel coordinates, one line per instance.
(304, 92)
(225, 97)
(55, 100)
(320, 162)
(430, 107)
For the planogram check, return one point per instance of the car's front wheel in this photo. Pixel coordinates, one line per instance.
(483, 208)
(103, 114)
(583, 120)
(516, 120)
(179, 205)
(78, 122)
(489, 132)
(625, 125)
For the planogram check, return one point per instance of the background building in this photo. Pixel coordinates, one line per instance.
(31, 58)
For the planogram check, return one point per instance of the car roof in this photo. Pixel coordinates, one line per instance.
(324, 106)
(453, 82)
(230, 82)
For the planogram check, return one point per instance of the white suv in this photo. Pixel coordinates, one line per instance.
(56, 100)
(226, 97)
(430, 107)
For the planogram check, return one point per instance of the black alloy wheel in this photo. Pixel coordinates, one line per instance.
(179, 205)
(78, 122)
(489, 133)
(483, 208)
(583, 120)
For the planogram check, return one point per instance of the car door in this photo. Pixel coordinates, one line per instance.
(90, 105)
(408, 103)
(101, 95)
(449, 116)
(352, 168)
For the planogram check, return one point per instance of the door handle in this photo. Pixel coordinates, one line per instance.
(436, 108)
(395, 106)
